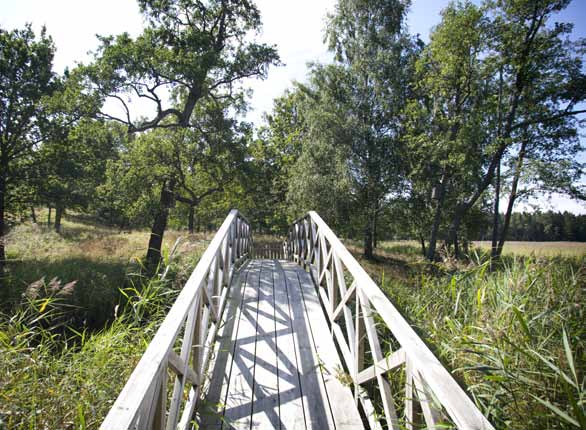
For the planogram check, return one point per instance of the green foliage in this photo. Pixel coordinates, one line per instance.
(183, 52)
(274, 153)
(69, 170)
(26, 79)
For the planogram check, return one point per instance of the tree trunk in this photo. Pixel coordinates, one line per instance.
(191, 218)
(33, 215)
(495, 215)
(437, 218)
(59, 209)
(368, 250)
(153, 257)
(512, 199)
(368, 233)
(375, 230)
(455, 225)
(507, 130)
(466, 246)
(497, 187)
(422, 241)
(2, 229)
(49, 218)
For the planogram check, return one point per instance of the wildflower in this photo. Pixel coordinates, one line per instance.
(67, 289)
(32, 291)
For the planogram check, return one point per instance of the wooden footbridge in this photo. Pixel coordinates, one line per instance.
(294, 338)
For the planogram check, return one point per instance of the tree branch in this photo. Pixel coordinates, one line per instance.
(548, 119)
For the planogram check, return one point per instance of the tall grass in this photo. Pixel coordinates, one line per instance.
(53, 376)
(514, 336)
(63, 359)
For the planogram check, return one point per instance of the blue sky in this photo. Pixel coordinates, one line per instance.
(296, 27)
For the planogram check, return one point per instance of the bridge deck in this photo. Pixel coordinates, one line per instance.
(276, 364)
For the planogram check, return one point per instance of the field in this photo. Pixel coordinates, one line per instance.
(549, 249)
(513, 335)
(539, 248)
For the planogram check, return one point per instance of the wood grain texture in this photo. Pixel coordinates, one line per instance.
(265, 402)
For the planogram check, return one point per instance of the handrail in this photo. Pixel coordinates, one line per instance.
(142, 403)
(312, 244)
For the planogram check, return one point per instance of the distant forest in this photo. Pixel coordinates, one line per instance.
(541, 227)
(545, 226)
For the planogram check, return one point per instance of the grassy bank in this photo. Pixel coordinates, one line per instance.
(543, 249)
(91, 317)
(514, 336)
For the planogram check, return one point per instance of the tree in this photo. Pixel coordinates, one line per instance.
(198, 162)
(26, 77)
(191, 50)
(363, 95)
(492, 77)
(274, 152)
(211, 157)
(528, 53)
(545, 142)
(446, 133)
(70, 167)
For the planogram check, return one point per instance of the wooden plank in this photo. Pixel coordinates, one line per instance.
(344, 302)
(409, 416)
(344, 349)
(340, 396)
(265, 401)
(431, 414)
(161, 406)
(314, 396)
(290, 397)
(377, 356)
(186, 346)
(390, 362)
(180, 368)
(238, 402)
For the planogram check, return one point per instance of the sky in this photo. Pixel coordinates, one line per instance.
(296, 27)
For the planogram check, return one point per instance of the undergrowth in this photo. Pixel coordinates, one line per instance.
(514, 336)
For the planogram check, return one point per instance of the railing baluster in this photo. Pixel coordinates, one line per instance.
(358, 347)
(186, 347)
(160, 409)
(409, 417)
(430, 412)
(377, 355)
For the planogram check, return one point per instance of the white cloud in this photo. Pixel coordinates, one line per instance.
(297, 28)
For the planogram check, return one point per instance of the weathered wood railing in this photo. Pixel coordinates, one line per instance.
(143, 401)
(359, 312)
(272, 250)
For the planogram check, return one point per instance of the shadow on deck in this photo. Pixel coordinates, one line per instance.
(276, 365)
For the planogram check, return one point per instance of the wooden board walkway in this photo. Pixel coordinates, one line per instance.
(276, 363)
